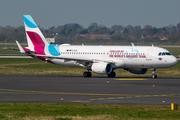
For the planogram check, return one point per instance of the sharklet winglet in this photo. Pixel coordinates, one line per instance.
(132, 44)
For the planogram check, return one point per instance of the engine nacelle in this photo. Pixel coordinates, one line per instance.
(101, 68)
(136, 70)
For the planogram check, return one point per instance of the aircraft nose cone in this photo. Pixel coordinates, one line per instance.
(174, 61)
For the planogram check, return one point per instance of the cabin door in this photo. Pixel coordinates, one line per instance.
(149, 55)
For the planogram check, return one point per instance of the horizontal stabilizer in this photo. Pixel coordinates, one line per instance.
(20, 47)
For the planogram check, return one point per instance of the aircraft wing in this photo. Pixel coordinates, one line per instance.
(78, 59)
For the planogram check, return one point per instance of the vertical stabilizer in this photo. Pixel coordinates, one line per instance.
(36, 40)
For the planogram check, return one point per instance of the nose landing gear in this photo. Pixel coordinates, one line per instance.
(153, 73)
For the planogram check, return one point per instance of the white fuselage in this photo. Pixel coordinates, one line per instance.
(121, 56)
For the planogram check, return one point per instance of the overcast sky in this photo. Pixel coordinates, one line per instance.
(48, 13)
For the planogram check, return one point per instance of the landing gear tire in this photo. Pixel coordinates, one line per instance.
(154, 76)
(87, 74)
(112, 75)
(153, 73)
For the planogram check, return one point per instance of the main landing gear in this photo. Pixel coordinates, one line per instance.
(112, 74)
(153, 73)
(87, 74)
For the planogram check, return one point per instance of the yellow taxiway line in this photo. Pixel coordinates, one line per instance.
(131, 79)
(11, 91)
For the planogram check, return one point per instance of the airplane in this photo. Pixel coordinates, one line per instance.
(98, 59)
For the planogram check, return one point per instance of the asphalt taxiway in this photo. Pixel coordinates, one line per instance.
(94, 90)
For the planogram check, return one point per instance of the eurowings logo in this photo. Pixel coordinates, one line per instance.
(134, 52)
(159, 58)
(38, 40)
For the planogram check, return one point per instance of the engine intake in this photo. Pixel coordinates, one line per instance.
(101, 68)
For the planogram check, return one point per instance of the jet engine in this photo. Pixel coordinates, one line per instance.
(136, 70)
(101, 68)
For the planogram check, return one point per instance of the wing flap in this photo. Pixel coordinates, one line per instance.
(67, 58)
(75, 59)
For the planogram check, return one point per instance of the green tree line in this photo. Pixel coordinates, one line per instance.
(117, 34)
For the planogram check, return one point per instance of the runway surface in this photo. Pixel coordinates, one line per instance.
(95, 90)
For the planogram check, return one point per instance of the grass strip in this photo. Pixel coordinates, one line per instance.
(71, 111)
(25, 66)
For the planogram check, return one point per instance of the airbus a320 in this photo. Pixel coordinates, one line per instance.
(98, 59)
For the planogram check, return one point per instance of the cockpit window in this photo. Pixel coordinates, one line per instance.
(168, 53)
(164, 53)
